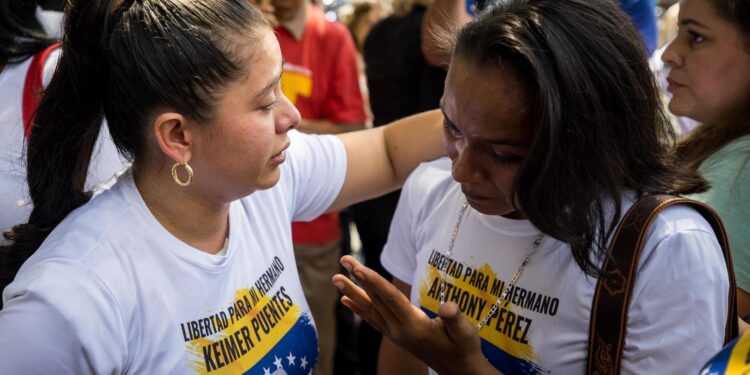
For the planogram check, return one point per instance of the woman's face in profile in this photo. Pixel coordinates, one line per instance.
(710, 66)
(242, 149)
(487, 133)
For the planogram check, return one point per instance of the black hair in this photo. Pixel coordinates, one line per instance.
(21, 34)
(124, 61)
(599, 127)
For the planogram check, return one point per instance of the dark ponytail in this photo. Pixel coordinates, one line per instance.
(21, 34)
(59, 152)
(124, 63)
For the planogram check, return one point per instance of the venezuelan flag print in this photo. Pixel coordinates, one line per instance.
(292, 355)
(505, 338)
(734, 359)
(261, 335)
(504, 362)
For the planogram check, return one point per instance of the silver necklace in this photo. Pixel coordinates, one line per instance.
(503, 296)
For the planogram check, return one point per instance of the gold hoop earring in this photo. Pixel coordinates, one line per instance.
(176, 178)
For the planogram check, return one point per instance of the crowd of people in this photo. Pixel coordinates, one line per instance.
(178, 177)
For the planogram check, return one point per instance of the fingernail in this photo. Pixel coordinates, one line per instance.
(339, 285)
(347, 266)
(358, 274)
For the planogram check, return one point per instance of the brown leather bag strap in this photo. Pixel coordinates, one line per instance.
(609, 310)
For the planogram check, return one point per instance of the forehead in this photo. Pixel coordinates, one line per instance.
(487, 103)
(261, 65)
(270, 47)
(263, 59)
(697, 10)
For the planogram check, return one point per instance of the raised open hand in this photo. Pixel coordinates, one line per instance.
(448, 343)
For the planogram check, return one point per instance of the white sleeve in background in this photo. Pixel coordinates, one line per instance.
(317, 167)
(47, 329)
(679, 304)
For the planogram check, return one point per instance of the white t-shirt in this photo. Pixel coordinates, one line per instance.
(14, 193)
(677, 312)
(112, 292)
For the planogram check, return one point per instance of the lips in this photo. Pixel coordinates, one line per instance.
(673, 85)
(281, 156)
(286, 146)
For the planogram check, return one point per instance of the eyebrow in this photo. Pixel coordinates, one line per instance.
(495, 142)
(507, 142)
(270, 86)
(690, 21)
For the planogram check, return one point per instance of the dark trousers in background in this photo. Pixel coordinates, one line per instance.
(316, 265)
(346, 324)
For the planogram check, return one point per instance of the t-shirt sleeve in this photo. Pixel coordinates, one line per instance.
(316, 172)
(399, 256)
(679, 304)
(47, 329)
(345, 104)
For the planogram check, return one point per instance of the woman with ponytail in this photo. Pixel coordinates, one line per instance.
(28, 56)
(185, 265)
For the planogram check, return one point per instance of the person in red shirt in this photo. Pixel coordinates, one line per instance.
(321, 79)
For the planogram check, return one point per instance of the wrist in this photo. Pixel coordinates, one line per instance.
(477, 364)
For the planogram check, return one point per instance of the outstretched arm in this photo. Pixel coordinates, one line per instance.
(380, 159)
(327, 127)
(449, 343)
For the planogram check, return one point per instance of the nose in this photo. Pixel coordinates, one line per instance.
(288, 118)
(467, 164)
(672, 55)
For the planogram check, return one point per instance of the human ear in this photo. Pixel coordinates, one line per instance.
(173, 134)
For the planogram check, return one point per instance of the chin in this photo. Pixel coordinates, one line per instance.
(678, 107)
(268, 180)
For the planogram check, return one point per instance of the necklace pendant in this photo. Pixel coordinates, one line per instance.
(503, 298)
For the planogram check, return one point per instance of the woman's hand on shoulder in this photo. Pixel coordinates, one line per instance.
(448, 343)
